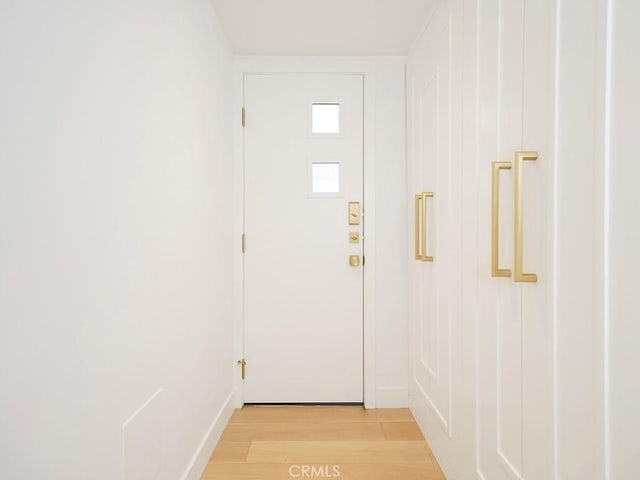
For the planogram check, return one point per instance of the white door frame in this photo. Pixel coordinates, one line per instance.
(347, 65)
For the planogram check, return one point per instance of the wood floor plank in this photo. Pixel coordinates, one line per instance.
(319, 414)
(262, 443)
(348, 471)
(404, 471)
(248, 432)
(339, 452)
(402, 431)
(230, 452)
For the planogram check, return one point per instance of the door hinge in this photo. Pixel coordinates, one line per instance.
(243, 364)
(244, 117)
(244, 243)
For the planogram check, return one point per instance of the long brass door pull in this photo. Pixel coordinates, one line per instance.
(420, 234)
(416, 232)
(519, 275)
(496, 271)
(518, 221)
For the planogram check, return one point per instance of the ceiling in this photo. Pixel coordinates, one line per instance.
(322, 27)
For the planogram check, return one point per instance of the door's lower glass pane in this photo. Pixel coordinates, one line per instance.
(325, 177)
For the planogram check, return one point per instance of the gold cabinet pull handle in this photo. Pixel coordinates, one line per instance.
(416, 233)
(416, 227)
(496, 271)
(519, 275)
(425, 257)
(420, 227)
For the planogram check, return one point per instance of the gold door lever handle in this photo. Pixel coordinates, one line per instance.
(496, 271)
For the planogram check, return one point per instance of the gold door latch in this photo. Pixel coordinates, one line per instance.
(243, 363)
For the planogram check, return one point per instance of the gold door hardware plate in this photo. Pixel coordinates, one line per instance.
(354, 260)
(354, 213)
(354, 237)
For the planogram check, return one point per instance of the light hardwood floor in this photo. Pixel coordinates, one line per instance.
(344, 443)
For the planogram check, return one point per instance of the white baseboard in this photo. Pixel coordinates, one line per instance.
(392, 397)
(201, 457)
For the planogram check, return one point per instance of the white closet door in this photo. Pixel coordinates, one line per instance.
(498, 395)
(538, 212)
(530, 350)
(514, 392)
(434, 93)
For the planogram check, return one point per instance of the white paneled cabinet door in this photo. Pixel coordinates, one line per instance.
(514, 330)
(499, 329)
(538, 209)
(520, 362)
(434, 188)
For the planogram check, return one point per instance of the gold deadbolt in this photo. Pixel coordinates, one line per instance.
(354, 260)
(354, 237)
(354, 213)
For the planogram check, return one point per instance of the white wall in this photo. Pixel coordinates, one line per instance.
(392, 324)
(385, 193)
(622, 259)
(115, 233)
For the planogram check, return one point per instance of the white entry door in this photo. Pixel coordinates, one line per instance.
(303, 140)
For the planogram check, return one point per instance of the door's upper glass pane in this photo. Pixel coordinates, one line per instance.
(325, 118)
